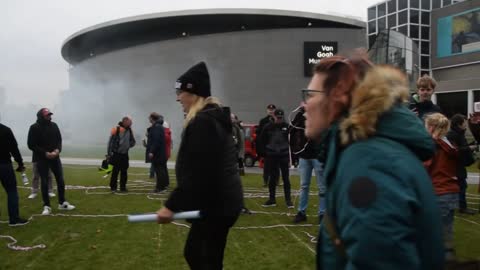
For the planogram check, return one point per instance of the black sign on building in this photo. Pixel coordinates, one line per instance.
(313, 52)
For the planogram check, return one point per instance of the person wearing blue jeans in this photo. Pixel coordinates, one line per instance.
(305, 168)
(304, 149)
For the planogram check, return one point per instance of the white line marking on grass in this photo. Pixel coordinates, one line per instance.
(159, 242)
(468, 220)
(300, 240)
(313, 239)
(12, 245)
(285, 227)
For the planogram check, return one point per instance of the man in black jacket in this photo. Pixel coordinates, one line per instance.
(156, 153)
(270, 118)
(9, 148)
(456, 135)
(45, 140)
(273, 145)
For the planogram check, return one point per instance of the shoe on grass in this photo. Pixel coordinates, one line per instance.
(300, 217)
(289, 204)
(47, 210)
(18, 222)
(32, 196)
(269, 203)
(66, 206)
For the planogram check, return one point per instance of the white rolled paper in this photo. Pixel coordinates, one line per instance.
(153, 217)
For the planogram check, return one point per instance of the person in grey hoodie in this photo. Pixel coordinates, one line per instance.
(121, 140)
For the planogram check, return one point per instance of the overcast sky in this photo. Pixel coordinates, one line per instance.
(31, 67)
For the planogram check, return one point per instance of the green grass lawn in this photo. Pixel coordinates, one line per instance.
(113, 243)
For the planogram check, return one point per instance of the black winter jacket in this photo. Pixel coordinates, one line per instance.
(43, 136)
(300, 145)
(457, 137)
(273, 141)
(424, 108)
(207, 167)
(9, 147)
(156, 143)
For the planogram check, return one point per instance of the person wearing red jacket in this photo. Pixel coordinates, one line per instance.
(442, 168)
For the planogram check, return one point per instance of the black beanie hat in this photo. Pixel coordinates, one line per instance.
(196, 81)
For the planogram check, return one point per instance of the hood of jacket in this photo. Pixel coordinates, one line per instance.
(378, 108)
(220, 114)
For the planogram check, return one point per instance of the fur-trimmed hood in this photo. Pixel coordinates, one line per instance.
(378, 108)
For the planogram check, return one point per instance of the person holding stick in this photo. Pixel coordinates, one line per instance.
(206, 170)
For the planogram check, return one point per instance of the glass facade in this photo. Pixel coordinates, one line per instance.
(394, 48)
(408, 17)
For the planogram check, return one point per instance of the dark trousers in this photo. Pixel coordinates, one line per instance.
(55, 165)
(161, 173)
(276, 164)
(206, 242)
(152, 171)
(120, 165)
(462, 195)
(9, 183)
(266, 172)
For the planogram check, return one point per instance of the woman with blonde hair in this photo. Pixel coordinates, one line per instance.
(442, 168)
(207, 172)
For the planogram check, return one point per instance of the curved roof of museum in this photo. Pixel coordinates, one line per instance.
(128, 32)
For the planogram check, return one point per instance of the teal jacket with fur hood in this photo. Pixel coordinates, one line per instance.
(379, 195)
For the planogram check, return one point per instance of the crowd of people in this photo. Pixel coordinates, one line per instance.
(389, 166)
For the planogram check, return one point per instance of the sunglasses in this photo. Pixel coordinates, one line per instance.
(307, 93)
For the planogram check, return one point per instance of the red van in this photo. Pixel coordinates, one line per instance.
(250, 152)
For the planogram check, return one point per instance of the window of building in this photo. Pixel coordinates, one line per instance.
(414, 16)
(392, 6)
(403, 30)
(382, 10)
(425, 17)
(447, 3)
(414, 4)
(382, 23)
(372, 27)
(476, 96)
(425, 32)
(453, 103)
(425, 62)
(392, 20)
(402, 4)
(414, 31)
(436, 3)
(403, 17)
(372, 13)
(426, 4)
(425, 47)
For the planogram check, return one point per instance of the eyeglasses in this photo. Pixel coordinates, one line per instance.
(307, 94)
(178, 91)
